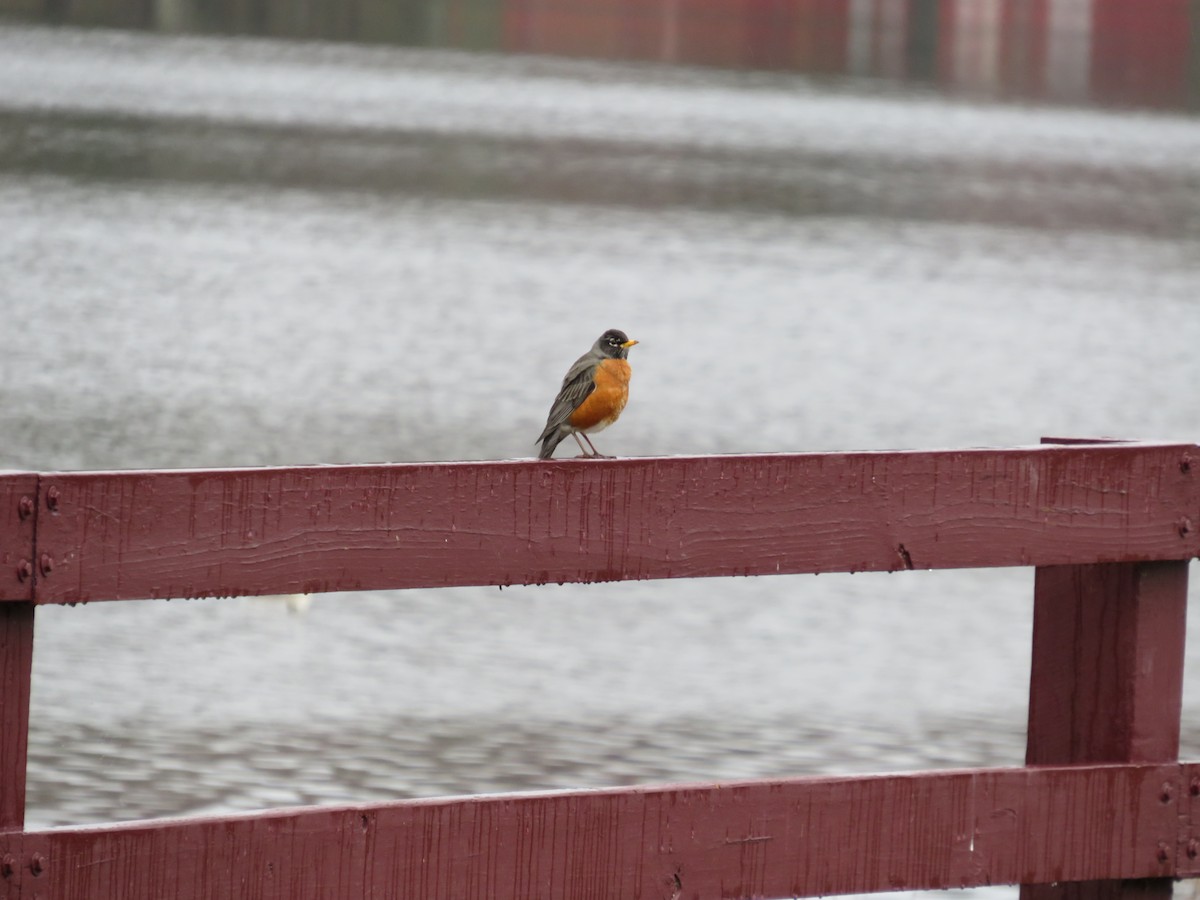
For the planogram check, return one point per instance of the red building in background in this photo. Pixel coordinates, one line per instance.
(1143, 53)
(1120, 51)
(802, 35)
(1136, 52)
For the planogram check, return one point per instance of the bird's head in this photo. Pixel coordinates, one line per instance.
(614, 344)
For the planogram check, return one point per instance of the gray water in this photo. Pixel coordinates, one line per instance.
(238, 252)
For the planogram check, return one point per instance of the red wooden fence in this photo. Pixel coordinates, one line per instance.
(1104, 807)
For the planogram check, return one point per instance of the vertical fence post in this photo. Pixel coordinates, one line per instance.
(16, 657)
(1106, 683)
(18, 519)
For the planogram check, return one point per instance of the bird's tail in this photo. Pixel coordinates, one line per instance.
(549, 442)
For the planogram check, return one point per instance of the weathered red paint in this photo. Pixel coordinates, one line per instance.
(16, 660)
(1110, 527)
(801, 837)
(1187, 848)
(1106, 683)
(209, 533)
(18, 518)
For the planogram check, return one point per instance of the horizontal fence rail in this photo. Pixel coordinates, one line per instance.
(129, 535)
(800, 837)
(1103, 809)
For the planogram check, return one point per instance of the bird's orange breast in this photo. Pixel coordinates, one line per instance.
(605, 403)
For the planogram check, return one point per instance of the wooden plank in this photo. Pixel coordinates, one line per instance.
(18, 516)
(12, 875)
(16, 660)
(1131, 889)
(210, 533)
(1187, 849)
(1106, 683)
(800, 837)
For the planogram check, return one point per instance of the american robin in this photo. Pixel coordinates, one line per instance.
(592, 396)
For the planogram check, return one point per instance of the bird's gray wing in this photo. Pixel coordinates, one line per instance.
(576, 386)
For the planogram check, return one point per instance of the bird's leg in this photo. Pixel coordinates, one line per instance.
(595, 453)
(575, 434)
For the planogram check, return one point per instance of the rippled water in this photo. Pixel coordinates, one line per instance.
(234, 252)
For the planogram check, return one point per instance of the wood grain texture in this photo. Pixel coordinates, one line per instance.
(1106, 683)
(1187, 848)
(209, 533)
(18, 517)
(16, 660)
(802, 837)
(1106, 680)
(1111, 889)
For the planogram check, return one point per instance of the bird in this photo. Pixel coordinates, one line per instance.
(592, 395)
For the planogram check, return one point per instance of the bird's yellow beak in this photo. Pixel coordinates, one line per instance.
(629, 343)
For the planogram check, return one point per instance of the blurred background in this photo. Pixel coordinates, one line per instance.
(255, 232)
